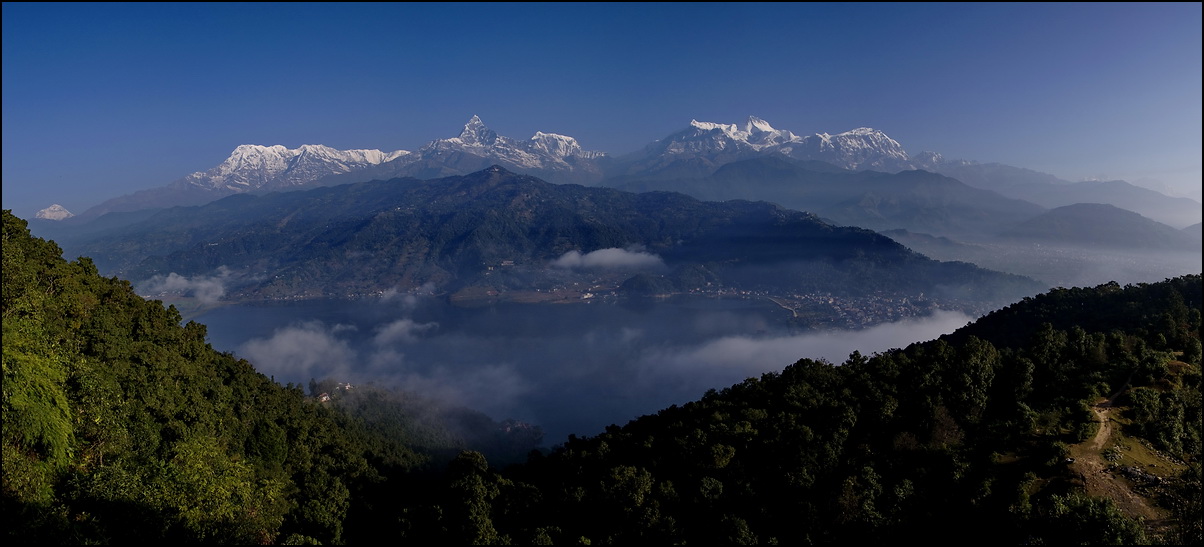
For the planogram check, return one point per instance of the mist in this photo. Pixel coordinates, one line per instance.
(572, 368)
(207, 289)
(1067, 265)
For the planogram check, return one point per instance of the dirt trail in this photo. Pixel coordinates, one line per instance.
(1089, 463)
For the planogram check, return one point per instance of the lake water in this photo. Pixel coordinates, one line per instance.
(570, 368)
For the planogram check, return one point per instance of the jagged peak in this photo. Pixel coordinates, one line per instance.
(757, 125)
(862, 131)
(247, 151)
(317, 149)
(709, 126)
(541, 136)
(476, 132)
(244, 149)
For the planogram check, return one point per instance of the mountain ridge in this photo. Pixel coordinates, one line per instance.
(499, 231)
(694, 151)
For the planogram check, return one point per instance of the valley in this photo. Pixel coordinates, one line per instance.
(810, 273)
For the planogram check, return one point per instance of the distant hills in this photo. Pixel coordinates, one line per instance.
(914, 200)
(495, 231)
(1101, 226)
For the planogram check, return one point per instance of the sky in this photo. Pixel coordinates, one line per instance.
(100, 100)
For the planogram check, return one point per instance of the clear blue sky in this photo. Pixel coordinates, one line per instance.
(101, 100)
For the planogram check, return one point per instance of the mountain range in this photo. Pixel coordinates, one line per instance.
(694, 152)
(995, 216)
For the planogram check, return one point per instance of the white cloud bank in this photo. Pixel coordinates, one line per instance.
(630, 258)
(206, 288)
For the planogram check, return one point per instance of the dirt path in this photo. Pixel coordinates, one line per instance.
(1089, 463)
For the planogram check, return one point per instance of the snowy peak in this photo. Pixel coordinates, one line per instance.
(252, 166)
(703, 137)
(861, 148)
(862, 139)
(559, 146)
(707, 127)
(757, 125)
(476, 134)
(54, 212)
(542, 151)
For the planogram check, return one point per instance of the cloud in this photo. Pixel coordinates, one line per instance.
(207, 289)
(631, 258)
(570, 369)
(306, 350)
(401, 330)
(727, 360)
(411, 298)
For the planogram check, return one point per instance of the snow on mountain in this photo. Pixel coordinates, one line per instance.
(253, 167)
(861, 148)
(54, 212)
(542, 151)
(703, 137)
(560, 146)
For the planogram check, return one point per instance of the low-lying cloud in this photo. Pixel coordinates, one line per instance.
(612, 258)
(401, 330)
(302, 351)
(206, 288)
(409, 298)
(726, 360)
(569, 369)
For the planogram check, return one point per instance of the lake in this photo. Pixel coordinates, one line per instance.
(569, 368)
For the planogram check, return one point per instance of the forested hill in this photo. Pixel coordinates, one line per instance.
(122, 426)
(454, 233)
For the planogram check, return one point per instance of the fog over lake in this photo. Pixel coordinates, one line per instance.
(569, 368)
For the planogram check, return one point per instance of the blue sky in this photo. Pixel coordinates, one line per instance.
(100, 100)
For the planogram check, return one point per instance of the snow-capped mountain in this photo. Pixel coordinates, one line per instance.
(693, 152)
(254, 167)
(541, 151)
(54, 212)
(859, 149)
(701, 147)
(862, 148)
(557, 158)
(703, 137)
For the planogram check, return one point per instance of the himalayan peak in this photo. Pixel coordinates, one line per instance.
(54, 212)
(253, 167)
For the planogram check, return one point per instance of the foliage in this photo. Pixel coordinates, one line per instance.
(121, 425)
